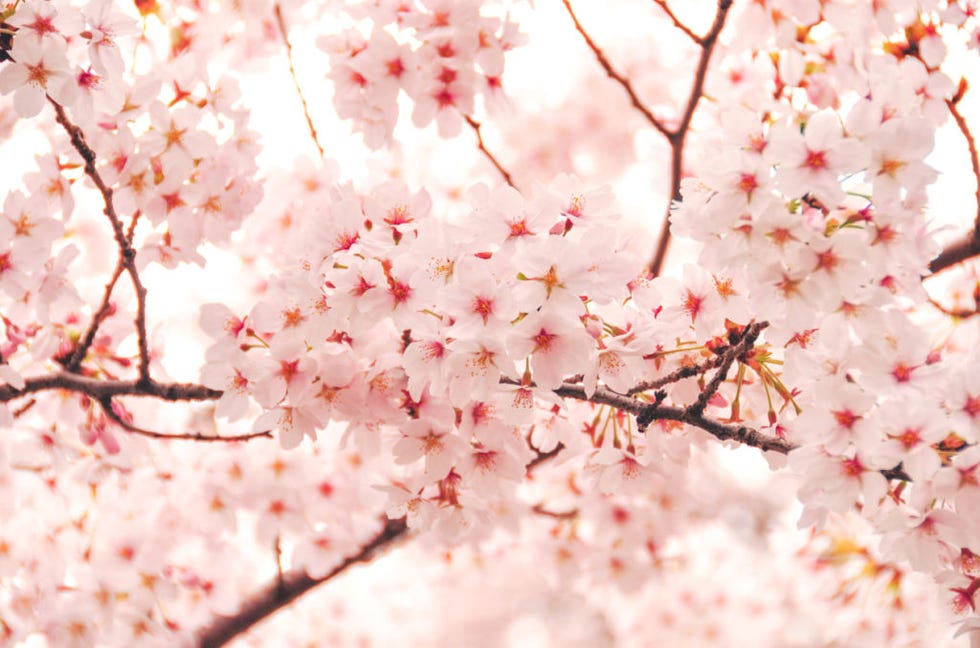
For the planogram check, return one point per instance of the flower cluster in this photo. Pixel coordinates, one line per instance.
(442, 54)
(821, 202)
(493, 370)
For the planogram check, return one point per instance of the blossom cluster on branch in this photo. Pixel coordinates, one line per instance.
(496, 367)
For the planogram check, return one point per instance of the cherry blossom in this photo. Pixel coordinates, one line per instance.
(40, 69)
(813, 162)
(452, 350)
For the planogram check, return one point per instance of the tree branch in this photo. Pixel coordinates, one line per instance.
(971, 145)
(281, 23)
(693, 414)
(540, 509)
(649, 412)
(738, 351)
(102, 389)
(293, 584)
(616, 76)
(677, 23)
(677, 137)
(542, 457)
(654, 412)
(678, 374)
(961, 314)
(113, 415)
(476, 126)
(957, 252)
(75, 361)
(127, 253)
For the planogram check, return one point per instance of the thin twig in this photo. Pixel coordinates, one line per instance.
(749, 336)
(292, 72)
(542, 457)
(100, 314)
(678, 136)
(677, 23)
(707, 48)
(960, 313)
(293, 584)
(131, 230)
(110, 412)
(20, 411)
(277, 548)
(971, 145)
(616, 76)
(476, 126)
(126, 251)
(539, 509)
(678, 374)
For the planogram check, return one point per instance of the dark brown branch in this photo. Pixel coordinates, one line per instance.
(293, 584)
(971, 145)
(721, 431)
(616, 76)
(114, 416)
(725, 431)
(678, 136)
(542, 457)
(655, 412)
(127, 253)
(957, 252)
(602, 396)
(476, 126)
(20, 411)
(102, 389)
(281, 23)
(969, 246)
(961, 313)
(747, 340)
(701, 72)
(539, 509)
(896, 473)
(678, 374)
(677, 23)
(101, 313)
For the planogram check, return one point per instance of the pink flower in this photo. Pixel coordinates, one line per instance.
(43, 21)
(475, 369)
(174, 136)
(557, 347)
(479, 303)
(911, 430)
(40, 69)
(426, 361)
(52, 184)
(838, 418)
(291, 424)
(930, 542)
(837, 483)
(106, 23)
(898, 149)
(439, 448)
(488, 470)
(620, 365)
(620, 471)
(814, 161)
